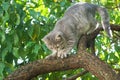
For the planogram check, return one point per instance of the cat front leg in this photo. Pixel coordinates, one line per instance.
(64, 53)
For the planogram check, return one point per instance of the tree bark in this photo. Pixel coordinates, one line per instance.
(82, 59)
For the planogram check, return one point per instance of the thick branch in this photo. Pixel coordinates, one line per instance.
(115, 27)
(44, 66)
(81, 60)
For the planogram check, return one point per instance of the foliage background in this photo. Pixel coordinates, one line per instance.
(23, 23)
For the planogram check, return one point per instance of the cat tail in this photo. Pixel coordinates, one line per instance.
(105, 20)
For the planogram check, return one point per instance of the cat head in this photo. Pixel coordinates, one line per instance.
(55, 41)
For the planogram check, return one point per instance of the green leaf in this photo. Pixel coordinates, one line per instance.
(113, 58)
(6, 17)
(9, 46)
(34, 14)
(15, 52)
(30, 31)
(29, 44)
(1, 12)
(117, 48)
(62, 3)
(45, 48)
(2, 66)
(4, 53)
(16, 39)
(18, 19)
(36, 49)
(2, 35)
(5, 5)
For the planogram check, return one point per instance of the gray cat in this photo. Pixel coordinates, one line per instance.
(78, 19)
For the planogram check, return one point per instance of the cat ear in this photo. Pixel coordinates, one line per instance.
(58, 36)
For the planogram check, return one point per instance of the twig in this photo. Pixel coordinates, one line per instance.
(77, 75)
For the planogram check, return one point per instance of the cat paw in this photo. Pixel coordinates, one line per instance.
(62, 55)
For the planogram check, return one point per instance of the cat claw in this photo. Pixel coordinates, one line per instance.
(62, 55)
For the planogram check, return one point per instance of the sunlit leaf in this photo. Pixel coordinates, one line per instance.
(113, 58)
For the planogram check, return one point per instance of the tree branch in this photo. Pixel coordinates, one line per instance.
(81, 60)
